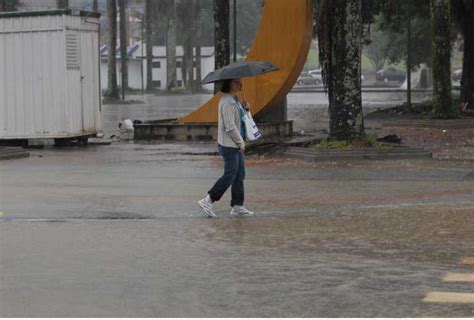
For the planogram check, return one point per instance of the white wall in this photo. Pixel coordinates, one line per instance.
(207, 65)
(134, 74)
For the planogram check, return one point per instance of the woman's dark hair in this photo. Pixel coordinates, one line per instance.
(225, 85)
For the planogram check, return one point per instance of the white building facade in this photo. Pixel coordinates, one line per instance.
(137, 67)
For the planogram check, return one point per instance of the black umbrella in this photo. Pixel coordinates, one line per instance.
(240, 69)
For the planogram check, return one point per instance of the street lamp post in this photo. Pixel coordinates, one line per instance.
(235, 30)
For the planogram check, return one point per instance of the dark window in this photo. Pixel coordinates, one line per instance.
(156, 64)
(179, 64)
(156, 83)
(180, 83)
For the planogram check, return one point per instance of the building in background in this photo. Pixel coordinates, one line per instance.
(137, 67)
(31, 5)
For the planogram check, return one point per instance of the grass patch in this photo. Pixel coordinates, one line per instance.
(367, 142)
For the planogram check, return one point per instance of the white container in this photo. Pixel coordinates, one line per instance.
(49, 74)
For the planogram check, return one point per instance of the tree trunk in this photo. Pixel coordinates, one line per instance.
(62, 4)
(221, 33)
(149, 44)
(346, 120)
(112, 90)
(8, 5)
(95, 5)
(441, 33)
(189, 24)
(189, 65)
(467, 81)
(171, 49)
(123, 43)
(197, 83)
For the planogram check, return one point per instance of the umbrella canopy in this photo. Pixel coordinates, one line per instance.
(240, 69)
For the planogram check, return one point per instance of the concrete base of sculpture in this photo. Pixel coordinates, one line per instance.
(170, 130)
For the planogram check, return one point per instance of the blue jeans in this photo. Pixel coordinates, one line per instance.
(234, 175)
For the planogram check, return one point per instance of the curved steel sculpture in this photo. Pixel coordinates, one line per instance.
(284, 39)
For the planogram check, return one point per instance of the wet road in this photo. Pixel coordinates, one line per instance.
(114, 231)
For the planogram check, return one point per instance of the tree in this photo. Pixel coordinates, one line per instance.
(199, 13)
(394, 18)
(123, 43)
(149, 8)
(9, 5)
(340, 33)
(187, 37)
(95, 5)
(112, 90)
(221, 33)
(221, 12)
(62, 4)
(442, 46)
(464, 13)
(171, 47)
(376, 51)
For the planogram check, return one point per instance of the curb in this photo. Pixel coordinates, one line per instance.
(7, 153)
(396, 153)
(435, 124)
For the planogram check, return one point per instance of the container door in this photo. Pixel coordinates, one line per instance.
(74, 78)
(90, 81)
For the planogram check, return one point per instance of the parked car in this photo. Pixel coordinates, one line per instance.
(390, 74)
(306, 79)
(457, 75)
(317, 74)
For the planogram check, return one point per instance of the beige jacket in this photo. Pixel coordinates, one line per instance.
(228, 131)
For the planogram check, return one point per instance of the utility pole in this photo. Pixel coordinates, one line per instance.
(235, 30)
(409, 60)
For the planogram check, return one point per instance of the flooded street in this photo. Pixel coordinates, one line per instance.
(101, 217)
(115, 231)
(307, 110)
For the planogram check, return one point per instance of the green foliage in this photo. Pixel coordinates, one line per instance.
(335, 144)
(368, 141)
(248, 19)
(377, 50)
(394, 18)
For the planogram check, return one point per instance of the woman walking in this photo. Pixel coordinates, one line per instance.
(231, 146)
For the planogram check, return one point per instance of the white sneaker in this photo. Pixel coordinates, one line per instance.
(206, 205)
(240, 211)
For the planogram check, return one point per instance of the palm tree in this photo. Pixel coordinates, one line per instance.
(112, 90)
(340, 33)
